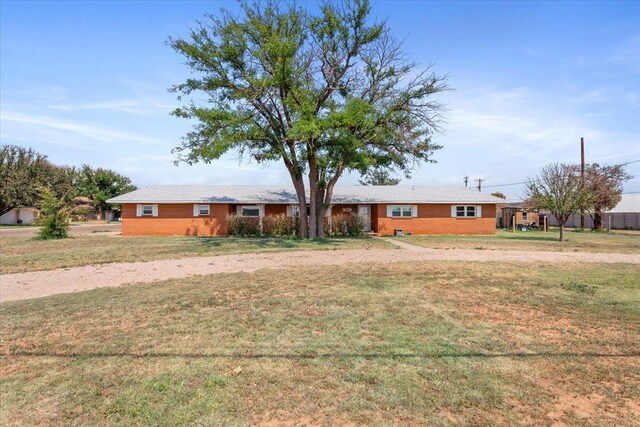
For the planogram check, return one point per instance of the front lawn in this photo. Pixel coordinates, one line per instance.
(585, 241)
(410, 344)
(23, 253)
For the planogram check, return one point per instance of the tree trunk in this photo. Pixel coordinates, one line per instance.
(298, 185)
(325, 200)
(562, 232)
(313, 197)
(597, 220)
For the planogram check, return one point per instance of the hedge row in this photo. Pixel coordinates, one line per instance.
(282, 225)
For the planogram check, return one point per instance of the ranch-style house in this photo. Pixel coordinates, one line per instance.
(203, 210)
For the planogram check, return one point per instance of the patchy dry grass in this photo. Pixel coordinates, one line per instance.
(586, 241)
(21, 254)
(413, 344)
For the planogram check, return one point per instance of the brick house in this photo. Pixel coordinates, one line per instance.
(202, 210)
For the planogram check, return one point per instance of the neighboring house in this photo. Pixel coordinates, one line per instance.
(83, 209)
(625, 216)
(203, 209)
(20, 216)
(518, 213)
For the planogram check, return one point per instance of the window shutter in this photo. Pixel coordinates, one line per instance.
(138, 210)
(155, 210)
(415, 211)
(239, 210)
(196, 210)
(453, 211)
(478, 211)
(389, 209)
(289, 211)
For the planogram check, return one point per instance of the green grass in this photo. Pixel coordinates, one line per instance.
(413, 344)
(586, 241)
(23, 253)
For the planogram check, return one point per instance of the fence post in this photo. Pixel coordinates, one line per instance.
(513, 223)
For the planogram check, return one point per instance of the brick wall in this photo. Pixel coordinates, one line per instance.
(176, 220)
(436, 219)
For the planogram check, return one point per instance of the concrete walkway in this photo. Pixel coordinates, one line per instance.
(37, 284)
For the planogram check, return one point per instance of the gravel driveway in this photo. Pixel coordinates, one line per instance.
(37, 284)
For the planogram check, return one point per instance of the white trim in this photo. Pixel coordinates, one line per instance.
(478, 211)
(155, 210)
(403, 209)
(196, 209)
(415, 211)
(139, 209)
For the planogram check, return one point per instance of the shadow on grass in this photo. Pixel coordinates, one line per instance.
(337, 355)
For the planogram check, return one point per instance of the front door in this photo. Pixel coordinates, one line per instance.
(365, 212)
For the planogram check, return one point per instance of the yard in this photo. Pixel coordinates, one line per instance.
(408, 343)
(23, 253)
(578, 241)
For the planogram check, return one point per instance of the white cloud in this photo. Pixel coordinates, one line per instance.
(30, 123)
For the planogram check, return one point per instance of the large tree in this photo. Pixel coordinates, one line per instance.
(325, 94)
(605, 184)
(100, 185)
(23, 173)
(560, 189)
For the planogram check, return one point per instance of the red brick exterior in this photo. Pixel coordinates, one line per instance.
(436, 219)
(178, 220)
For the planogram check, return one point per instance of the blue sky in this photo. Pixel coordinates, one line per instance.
(86, 82)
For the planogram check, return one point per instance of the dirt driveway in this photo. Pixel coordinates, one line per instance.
(43, 283)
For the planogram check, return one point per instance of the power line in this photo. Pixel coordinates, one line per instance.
(525, 182)
(505, 185)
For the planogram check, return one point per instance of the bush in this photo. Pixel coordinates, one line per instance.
(278, 225)
(55, 217)
(242, 226)
(345, 225)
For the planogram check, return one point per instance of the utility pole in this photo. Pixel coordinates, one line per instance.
(582, 176)
(479, 183)
(466, 181)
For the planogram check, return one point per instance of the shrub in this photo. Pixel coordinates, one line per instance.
(345, 225)
(54, 222)
(242, 226)
(278, 225)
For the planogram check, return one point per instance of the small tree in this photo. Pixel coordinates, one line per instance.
(605, 184)
(379, 176)
(55, 217)
(560, 190)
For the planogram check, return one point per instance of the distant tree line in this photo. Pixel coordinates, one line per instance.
(25, 173)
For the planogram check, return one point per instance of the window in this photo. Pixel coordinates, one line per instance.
(203, 210)
(250, 211)
(524, 216)
(295, 211)
(401, 211)
(147, 210)
(465, 212)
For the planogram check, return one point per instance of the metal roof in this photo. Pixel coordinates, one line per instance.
(630, 203)
(235, 194)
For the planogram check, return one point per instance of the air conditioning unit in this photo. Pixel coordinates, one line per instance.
(398, 232)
